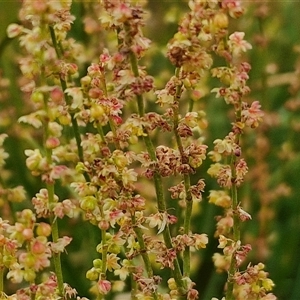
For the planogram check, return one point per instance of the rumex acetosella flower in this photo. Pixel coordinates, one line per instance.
(99, 145)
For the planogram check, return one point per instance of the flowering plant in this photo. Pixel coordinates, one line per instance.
(126, 155)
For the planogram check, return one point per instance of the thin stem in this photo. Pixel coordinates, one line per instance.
(59, 52)
(236, 237)
(55, 237)
(143, 249)
(187, 180)
(133, 287)
(57, 260)
(157, 180)
(236, 219)
(1, 278)
(110, 119)
(143, 252)
(51, 194)
(104, 251)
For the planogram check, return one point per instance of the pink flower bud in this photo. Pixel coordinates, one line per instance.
(192, 294)
(104, 286)
(38, 247)
(73, 68)
(52, 142)
(57, 95)
(27, 233)
(14, 30)
(103, 225)
(95, 93)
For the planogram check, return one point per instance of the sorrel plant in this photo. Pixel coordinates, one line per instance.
(125, 155)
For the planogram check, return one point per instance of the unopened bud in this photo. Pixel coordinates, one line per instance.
(220, 21)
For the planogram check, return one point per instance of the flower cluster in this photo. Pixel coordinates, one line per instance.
(97, 144)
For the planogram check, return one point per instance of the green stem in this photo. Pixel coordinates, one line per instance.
(1, 278)
(55, 237)
(161, 204)
(110, 119)
(187, 180)
(236, 219)
(143, 248)
(59, 52)
(236, 237)
(54, 41)
(143, 252)
(101, 133)
(104, 251)
(57, 260)
(133, 287)
(187, 225)
(54, 225)
(73, 121)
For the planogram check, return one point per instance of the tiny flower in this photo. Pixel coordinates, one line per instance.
(234, 7)
(241, 171)
(122, 273)
(172, 284)
(159, 219)
(43, 229)
(237, 44)
(223, 241)
(77, 96)
(219, 198)
(252, 115)
(92, 274)
(14, 30)
(214, 169)
(69, 292)
(35, 161)
(224, 177)
(104, 286)
(192, 294)
(59, 246)
(128, 176)
(221, 262)
(38, 246)
(66, 207)
(52, 142)
(243, 215)
(220, 21)
(201, 240)
(163, 97)
(112, 262)
(17, 194)
(15, 273)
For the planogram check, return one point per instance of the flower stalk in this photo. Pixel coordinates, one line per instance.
(186, 177)
(157, 181)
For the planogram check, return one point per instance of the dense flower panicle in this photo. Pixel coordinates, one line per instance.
(104, 161)
(33, 253)
(255, 281)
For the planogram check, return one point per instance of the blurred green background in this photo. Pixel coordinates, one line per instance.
(271, 192)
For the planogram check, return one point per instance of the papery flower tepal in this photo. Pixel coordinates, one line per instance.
(104, 286)
(59, 246)
(237, 44)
